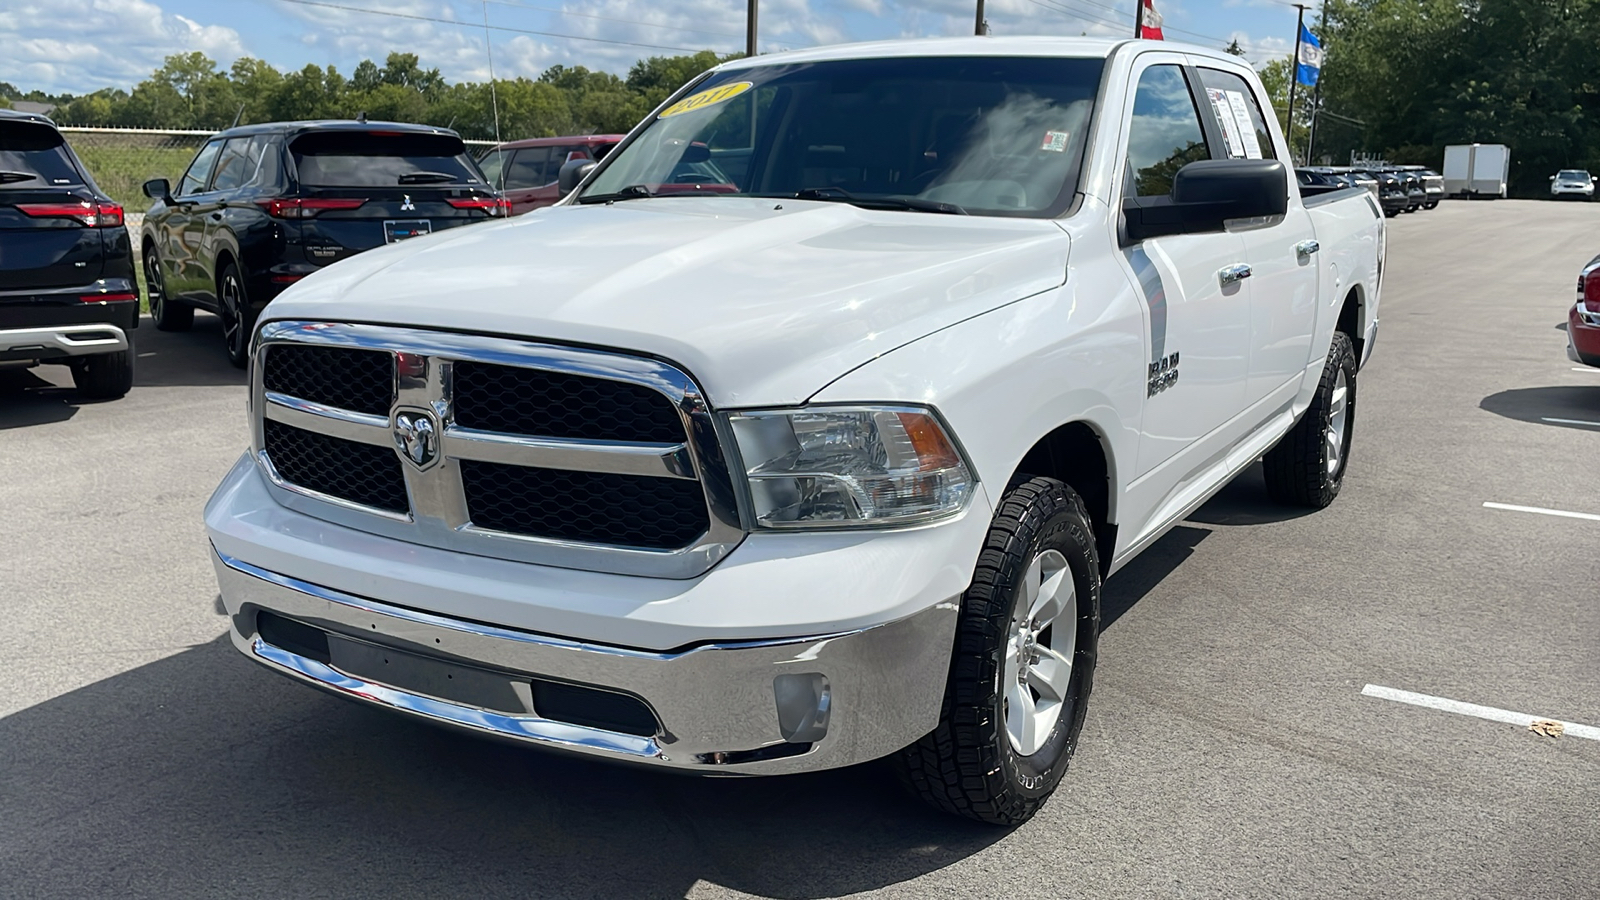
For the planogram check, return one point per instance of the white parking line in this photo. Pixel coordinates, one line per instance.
(1586, 369)
(1522, 720)
(1569, 422)
(1542, 511)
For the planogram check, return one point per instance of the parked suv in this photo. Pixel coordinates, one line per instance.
(1577, 184)
(263, 206)
(67, 290)
(526, 171)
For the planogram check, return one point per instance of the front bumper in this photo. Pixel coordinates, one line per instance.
(716, 706)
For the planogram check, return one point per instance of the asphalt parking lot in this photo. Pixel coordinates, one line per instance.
(1229, 750)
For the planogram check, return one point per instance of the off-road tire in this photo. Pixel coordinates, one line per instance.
(1297, 468)
(967, 765)
(105, 376)
(167, 315)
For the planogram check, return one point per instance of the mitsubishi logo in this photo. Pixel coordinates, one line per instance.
(416, 437)
(406, 204)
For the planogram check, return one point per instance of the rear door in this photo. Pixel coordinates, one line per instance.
(45, 241)
(525, 179)
(1283, 270)
(363, 189)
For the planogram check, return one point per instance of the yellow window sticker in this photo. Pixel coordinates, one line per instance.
(705, 98)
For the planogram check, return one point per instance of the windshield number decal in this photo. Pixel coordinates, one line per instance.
(705, 98)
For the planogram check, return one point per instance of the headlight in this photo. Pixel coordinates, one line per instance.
(842, 466)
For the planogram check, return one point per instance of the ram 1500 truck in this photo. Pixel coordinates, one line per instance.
(822, 464)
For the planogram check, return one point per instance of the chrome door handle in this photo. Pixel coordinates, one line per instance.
(1233, 274)
(1306, 248)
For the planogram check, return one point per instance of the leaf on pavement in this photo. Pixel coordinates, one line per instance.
(1547, 727)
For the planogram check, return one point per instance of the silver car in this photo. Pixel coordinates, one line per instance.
(1572, 183)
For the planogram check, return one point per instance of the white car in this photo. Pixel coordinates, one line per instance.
(1574, 183)
(826, 461)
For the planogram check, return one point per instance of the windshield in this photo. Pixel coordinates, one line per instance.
(983, 135)
(32, 155)
(1573, 175)
(380, 159)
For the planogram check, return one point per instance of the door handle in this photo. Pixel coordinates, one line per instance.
(1233, 274)
(1306, 248)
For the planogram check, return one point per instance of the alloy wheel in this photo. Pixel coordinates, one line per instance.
(1038, 662)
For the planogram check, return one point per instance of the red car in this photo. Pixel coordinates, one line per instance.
(1583, 323)
(525, 171)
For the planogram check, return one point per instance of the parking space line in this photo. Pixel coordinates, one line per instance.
(1589, 369)
(1569, 422)
(1542, 511)
(1522, 720)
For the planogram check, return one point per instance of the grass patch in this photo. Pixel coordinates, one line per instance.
(122, 166)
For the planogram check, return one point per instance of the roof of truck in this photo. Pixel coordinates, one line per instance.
(962, 46)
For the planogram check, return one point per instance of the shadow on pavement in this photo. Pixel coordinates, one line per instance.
(173, 358)
(201, 775)
(1130, 585)
(1564, 406)
(1244, 501)
(26, 399)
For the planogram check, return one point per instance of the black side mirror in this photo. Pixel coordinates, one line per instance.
(573, 172)
(158, 189)
(1208, 193)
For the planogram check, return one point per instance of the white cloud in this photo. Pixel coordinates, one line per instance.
(115, 42)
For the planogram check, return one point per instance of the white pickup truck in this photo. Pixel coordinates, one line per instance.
(804, 431)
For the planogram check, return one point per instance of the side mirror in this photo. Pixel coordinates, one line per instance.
(1552, 178)
(1207, 194)
(158, 189)
(572, 172)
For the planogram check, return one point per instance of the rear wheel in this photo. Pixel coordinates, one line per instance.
(168, 316)
(1306, 468)
(1022, 665)
(237, 322)
(104, 377)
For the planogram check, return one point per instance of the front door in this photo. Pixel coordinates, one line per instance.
(1198, 316)
(184, 229)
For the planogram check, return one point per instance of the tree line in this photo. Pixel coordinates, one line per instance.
(1417, 75)
(189, 91)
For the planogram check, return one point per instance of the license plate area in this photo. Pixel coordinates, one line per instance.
(400, 229)
(431, 677)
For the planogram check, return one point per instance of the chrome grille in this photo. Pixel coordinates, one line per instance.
(513, 449)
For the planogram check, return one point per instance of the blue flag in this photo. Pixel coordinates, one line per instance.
(1309, 66)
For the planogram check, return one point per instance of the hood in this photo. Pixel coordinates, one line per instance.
(762, 301)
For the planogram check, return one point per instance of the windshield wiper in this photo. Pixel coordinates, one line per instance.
(426, 178)
(842, 195)
(631, 192)
(14, 177)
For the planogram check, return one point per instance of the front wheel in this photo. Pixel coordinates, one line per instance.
(1022, 665)
(1307, 466)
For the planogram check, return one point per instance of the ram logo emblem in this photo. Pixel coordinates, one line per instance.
(416, 437)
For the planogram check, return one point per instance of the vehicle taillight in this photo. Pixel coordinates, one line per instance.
(92, 214)
(494, 206)
(1591, 290)
(307, 208)
(119, 297)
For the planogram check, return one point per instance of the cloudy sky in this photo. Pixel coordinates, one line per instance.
(80, 46)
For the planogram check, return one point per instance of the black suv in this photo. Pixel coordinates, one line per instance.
(263, 206)
(67, 290)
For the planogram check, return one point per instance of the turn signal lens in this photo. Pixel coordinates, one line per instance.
(829, 467)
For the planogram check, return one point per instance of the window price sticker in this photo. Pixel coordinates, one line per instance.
(1055, 141)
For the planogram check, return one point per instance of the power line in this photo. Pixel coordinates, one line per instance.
(570, 37)
(567, 12)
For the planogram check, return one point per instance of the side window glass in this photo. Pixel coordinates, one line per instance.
(493, 165)
(527, 168)
(1165, 133)
(233, 165)
(262, 160)
(194, 180)
(1244, 128)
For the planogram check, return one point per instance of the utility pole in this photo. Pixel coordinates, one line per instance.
(1294, 74)
(980, 28)
(750, 29)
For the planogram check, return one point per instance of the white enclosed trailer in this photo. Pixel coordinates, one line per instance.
(1476, 170)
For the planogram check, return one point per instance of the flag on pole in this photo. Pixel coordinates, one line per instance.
(1309, 66)
(1149, 21)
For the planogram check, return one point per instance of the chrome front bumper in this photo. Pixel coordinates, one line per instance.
(716, 704)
